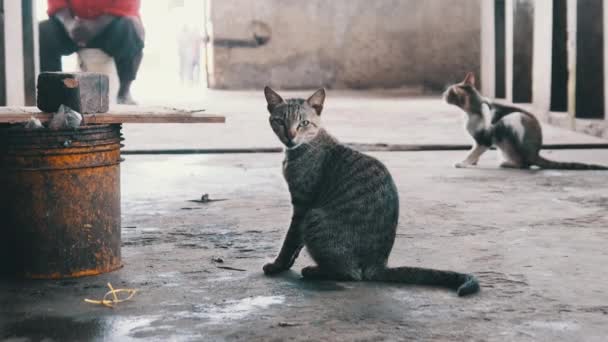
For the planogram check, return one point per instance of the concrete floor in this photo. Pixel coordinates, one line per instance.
(536, 240)
(387, 116)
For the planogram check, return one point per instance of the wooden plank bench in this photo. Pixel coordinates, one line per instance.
(118, 114)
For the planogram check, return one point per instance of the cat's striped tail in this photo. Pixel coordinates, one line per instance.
(555, 165)
(464, 284)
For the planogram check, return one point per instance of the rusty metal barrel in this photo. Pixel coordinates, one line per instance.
(60, 201)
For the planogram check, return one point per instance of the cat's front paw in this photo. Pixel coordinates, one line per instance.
(274, 268)
(462, 165)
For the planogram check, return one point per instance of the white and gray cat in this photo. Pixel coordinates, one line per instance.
(345, 205)
(514, 132)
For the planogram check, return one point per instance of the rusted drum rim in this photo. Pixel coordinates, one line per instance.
(77, 274)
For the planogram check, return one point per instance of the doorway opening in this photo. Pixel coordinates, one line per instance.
(173, 68)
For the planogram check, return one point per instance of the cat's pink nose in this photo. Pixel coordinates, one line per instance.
(292, 134)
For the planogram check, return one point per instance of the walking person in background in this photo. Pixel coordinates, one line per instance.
(190, 43)
(112, 26)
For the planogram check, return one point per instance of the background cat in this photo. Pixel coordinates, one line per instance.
(516, 133)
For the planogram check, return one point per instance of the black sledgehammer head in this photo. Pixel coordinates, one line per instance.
(84, 92)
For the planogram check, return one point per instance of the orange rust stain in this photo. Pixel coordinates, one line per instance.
(77, 274)
(70, 82)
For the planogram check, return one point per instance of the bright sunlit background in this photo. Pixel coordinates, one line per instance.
(158, 79)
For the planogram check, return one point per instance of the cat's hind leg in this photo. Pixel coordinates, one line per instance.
(332, 252)
(337, 274)
(509, 156)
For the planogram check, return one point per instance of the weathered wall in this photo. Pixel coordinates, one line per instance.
(346, 43)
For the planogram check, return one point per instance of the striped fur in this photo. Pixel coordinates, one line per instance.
(345, 205)
(515, 133)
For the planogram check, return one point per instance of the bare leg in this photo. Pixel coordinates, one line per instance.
(291, 246)
(473, 156)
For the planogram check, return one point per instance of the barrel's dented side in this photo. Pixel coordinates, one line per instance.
(61, 202)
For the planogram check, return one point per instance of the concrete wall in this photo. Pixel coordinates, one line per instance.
(346, 43)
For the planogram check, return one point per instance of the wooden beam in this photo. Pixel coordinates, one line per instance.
(589, 76)
(117, 115)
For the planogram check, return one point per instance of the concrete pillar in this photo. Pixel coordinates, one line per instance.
(488, 49)
(20, 58)
(588, 92)
(522, 27)
(542, 53)
(30, 51)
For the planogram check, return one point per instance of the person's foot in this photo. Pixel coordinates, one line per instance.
(125, 100)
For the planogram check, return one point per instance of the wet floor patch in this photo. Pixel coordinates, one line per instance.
(52, 328)
(107, 328)
(231, 310)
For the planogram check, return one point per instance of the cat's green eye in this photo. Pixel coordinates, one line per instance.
(305, 123)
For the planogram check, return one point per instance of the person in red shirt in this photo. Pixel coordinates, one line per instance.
(113, 26)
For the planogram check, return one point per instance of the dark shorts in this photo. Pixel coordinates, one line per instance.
(122, 39)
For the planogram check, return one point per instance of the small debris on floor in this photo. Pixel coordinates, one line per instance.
(111, 303)
(231, 268)
(288, 324)
(217, 259)
(206, 199)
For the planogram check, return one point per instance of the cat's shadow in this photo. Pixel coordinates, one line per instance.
(295, 279)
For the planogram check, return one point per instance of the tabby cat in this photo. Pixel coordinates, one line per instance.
(516, 133)
(345, 205)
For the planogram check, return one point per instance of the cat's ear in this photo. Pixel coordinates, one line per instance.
(316, 100)
(272, 98)
(469, 79)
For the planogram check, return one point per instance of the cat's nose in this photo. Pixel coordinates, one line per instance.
(291, 133)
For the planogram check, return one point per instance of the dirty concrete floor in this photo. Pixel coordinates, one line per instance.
(536, 240)
(382, 116)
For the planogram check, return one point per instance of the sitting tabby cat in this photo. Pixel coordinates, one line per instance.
(515, 132)
(345, 205)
